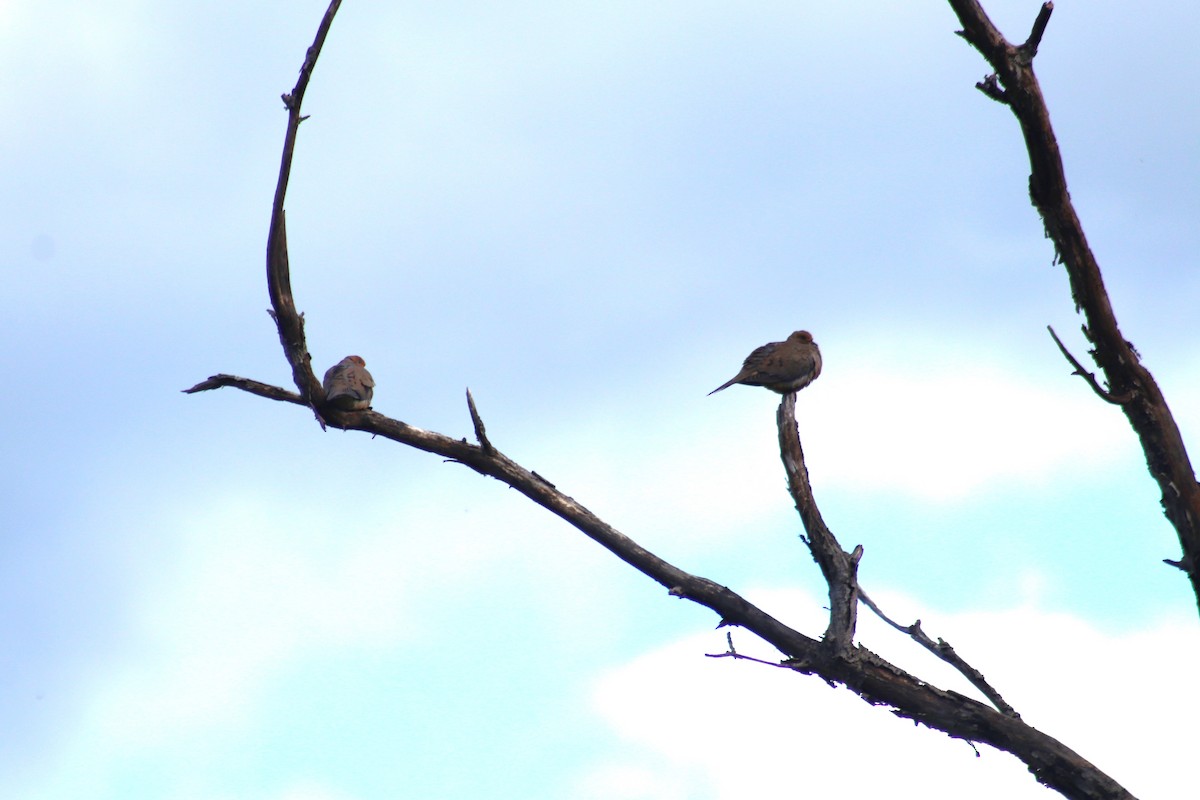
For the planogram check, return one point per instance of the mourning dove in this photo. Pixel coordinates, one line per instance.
(780, 366)
(348, 385)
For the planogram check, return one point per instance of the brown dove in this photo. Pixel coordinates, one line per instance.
(780, 366)
(348, 385)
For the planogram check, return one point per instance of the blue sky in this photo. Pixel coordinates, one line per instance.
(589, 214)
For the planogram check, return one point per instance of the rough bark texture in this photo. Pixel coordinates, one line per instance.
(1130, 385)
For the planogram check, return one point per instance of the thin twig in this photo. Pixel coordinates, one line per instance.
(247, 385)
(477, 421)
(942, 649)
(1107, 397)
(731, 653)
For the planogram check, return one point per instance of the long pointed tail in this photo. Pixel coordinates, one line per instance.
(724, 385)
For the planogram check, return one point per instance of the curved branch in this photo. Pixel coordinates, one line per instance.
(279, 283)
(839, 567)
(1145, 408)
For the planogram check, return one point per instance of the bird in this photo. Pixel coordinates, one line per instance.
(782, 367)
(348, 385)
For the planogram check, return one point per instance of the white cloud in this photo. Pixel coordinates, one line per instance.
(945, 429)
(759, 731)
(619, 781)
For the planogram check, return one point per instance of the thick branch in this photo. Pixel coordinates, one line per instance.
(1146, 408)
(838, 566)
(863, 672)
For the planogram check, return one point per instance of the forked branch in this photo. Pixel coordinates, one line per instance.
(836, 659)
(839, 568)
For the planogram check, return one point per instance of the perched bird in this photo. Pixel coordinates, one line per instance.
(780, 366)
(348, 385)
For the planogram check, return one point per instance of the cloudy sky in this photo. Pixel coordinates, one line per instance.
(588, 213)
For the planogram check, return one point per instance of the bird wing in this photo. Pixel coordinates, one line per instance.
(751, 368)
(785, 367)
(335, 378)
(766, 365)
(344, 379)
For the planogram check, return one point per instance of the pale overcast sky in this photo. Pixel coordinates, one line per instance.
(589, 213)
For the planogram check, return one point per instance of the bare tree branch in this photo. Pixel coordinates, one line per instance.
(837, 566)
(477, 421)
(731, 652)
(840, 568)
(1086, 375)
(1145, 406)
(247, 385)
(835, 659)
(857, 668)
(942, 649)
(279, 284)
(1030, 47)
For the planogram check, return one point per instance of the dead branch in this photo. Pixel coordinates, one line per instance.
(835, 659)
(247, 385)
(863, 672)
(837, 566)
(1090, 377)
(840, 568)
(943, 650)
(279, 284)
(1129, 383)
(477, 422)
